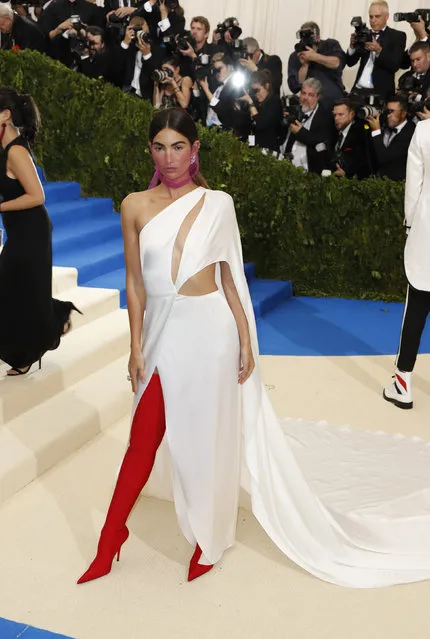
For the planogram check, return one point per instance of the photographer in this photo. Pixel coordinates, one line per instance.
(379, 59)
(352, 155)
(225, 34)
(391, 141)
(18, 31)
(164, 17)
(224, 109)
(198, 46)
(309, 136)
(257, 60)
(95, 60)
(265, 109)
(138, 58)
(323, 60)
(61, 16)
(415, 83)
(170, 88)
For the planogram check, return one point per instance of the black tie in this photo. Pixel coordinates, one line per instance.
(339, 142)
(375, 33)
(305, 117)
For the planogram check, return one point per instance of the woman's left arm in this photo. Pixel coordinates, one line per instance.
(233, 300)
(183, 94)
(20, 166)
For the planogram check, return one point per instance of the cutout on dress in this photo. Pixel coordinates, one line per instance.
(179, 245)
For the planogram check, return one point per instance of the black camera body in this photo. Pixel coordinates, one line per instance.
(307, 38)
(185, 40)
(203, 67)
(144, 36)
(413, 16)
(415, 107)
(238, 50)
(409, 84)
(161, 75)
(291, 105)
(232, 26)
(363, 33)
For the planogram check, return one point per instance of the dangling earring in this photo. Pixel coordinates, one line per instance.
(193, 159)
(2, 132)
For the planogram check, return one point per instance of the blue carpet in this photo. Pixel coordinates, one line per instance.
(328, 326)
(12, 630)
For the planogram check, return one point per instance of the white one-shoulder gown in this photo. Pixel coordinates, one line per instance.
(312, 486)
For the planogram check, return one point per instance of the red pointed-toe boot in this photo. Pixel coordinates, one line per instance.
(147, 432)
(195, 569)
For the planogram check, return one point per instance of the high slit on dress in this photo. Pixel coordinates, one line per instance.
(215, 427)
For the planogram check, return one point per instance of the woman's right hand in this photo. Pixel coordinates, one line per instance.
(136, 369)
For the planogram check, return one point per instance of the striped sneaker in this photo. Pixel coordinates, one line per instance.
(400, 391)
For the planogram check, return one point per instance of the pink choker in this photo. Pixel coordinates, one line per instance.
(175, 184)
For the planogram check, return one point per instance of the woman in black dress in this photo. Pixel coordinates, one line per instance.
(31, 322)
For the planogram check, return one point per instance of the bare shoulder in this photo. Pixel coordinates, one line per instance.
(134, 206)
(18, 153)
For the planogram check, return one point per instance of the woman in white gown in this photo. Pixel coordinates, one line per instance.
(198, 390)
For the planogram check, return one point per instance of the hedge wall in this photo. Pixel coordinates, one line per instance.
(330, 236)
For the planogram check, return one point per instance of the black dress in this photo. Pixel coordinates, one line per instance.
(31, 322)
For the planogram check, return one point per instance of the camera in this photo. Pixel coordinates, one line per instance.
(76, 22)
(185, 40)
(307, 38)
(362, 32)
(161, 75)
(144, 36)
(409, 84)
(238, 51)
(203, 68)
(291, 104)
(230, 25)
(416, 107)
(372, 107)
(414, 16)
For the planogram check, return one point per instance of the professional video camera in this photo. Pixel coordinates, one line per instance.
(414, 16)
(307, 38)
(362, 32)
(230, 25)
(291, 108)
(161, 75)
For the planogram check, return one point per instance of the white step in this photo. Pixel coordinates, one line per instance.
(37, 440)
(92, 302)
(81, 353)
(63, 277)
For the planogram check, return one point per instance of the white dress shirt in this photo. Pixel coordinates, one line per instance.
(365, 81)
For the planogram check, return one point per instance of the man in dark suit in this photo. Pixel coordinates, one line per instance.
(379, 59)
(18, 31)
(391, 142)
(309, 139)
(162, 21)
(137, 59)
(416, 82)
(352, 154)
(259, 61)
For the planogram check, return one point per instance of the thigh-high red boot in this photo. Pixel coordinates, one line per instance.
(147, 432)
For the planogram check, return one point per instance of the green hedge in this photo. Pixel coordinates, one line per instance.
(330, 236)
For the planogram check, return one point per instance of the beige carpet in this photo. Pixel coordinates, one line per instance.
(48, 536)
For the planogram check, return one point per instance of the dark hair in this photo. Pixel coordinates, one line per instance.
(262, 77)
(96, 31)
(24, 113)
(173, 60)
(401, 99)
(312, 25)
(181, 122)
(420, 46)
(351, 106)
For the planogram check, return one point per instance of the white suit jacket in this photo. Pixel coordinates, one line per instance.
(417, 209)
